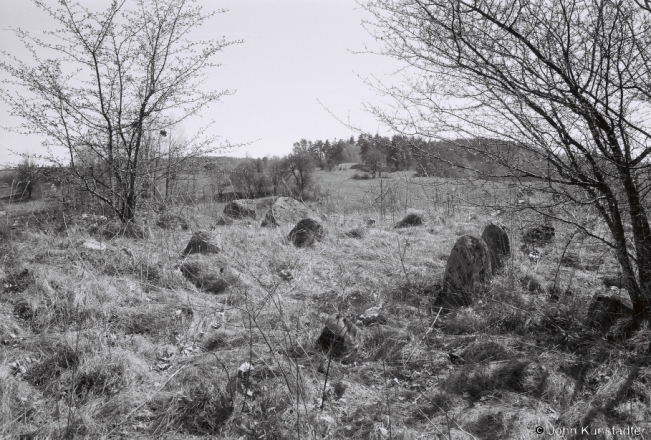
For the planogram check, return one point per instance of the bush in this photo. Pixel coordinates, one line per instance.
(358, 176)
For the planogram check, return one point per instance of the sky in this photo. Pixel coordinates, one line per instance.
(296, 74)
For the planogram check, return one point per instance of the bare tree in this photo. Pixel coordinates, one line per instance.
(561, 86)
(277, 172)
(123, 76)
(300, 165)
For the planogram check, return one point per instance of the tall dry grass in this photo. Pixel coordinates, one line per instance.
(117, 343)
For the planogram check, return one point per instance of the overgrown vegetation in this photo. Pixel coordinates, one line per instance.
(119, 343)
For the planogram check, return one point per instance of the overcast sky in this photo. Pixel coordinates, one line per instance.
(295, 53)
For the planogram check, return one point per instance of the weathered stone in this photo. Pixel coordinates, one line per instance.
(241, 209)
(467, 269)
(410, 220)
(339, 337)
(212, 277)
(306, 233)
(498, 244)
(539, 235)
(286, 211)
(201, 243)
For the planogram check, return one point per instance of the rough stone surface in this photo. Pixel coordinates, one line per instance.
(286, 211)
(241, 209)
(339, 337)
(307, 232)
(201, 243)
(467, 269)
(498, 244)
(539, 235)
(410, 220)
(209, 276)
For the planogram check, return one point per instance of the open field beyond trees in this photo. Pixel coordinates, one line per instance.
(114, 342)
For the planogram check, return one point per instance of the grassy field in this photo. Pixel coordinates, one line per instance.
(116, 343)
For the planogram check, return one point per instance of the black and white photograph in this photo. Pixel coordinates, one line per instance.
(325, 219)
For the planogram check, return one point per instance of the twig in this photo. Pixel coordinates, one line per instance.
(325, 382)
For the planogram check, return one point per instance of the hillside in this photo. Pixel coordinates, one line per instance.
(116, 343)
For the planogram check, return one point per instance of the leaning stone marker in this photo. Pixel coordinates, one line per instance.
(307, 232)
(286, 210)
(498, 244)
(201, 243)
(240, 209)
(468, 267)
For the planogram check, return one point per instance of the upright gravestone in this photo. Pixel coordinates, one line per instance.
(497, 241)
(468, 267)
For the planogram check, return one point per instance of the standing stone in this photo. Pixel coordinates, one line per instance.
(240, 209)
(498, 244)
(201, 243)
(306, 233)
(468, 267)
(286, 210)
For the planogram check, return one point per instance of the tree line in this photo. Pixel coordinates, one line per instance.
(293, 174)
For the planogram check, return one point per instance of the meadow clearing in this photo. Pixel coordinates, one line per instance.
(114, 342)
